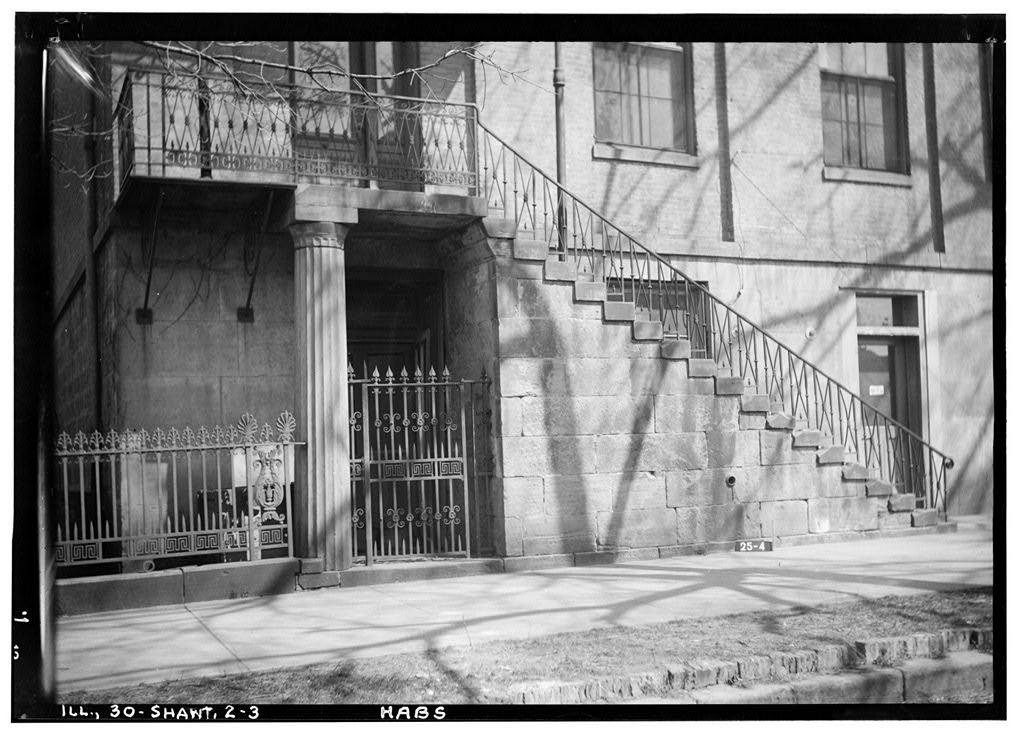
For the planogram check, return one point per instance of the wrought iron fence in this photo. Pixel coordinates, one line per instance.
(186, 126)
(135, 496)
(420, 464)
(546, 211)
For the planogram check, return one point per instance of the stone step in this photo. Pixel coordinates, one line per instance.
(727, 385)
(703, 368)
(902, 503)
(619, 311)
(856, 472)
(924, 518)
(832, 455)
(781, 421)
(808, 438)
(878, 488)
(754, 403)
(675, 349)
(588, 291)
(535, 250)
(648, 330)
(559, 270)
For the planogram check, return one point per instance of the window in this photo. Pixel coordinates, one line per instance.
(642, 96)
(862, 106)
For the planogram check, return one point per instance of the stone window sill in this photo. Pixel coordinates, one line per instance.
(861, 175)
(632, 154)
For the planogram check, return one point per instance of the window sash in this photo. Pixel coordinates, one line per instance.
(633, 99)
(858, 131)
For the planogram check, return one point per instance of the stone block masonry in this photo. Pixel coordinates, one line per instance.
(605, 446)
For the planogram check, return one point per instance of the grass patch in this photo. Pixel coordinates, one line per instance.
(483, 673)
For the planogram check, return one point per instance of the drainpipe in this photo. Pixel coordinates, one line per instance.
(559, 84)
(932, 133)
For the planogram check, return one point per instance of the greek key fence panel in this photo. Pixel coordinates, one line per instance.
(136, 496)
(420, 465)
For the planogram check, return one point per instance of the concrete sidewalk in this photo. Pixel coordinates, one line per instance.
(212, 638)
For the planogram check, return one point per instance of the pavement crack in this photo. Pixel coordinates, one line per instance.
(215, 636)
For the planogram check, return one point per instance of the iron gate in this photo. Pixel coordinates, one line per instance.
(420, 465)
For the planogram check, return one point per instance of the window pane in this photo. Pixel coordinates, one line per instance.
(608, 116)
(877, 58)
(874, 146)
(890, 119)
(833, 132)
(631, 120)
(852, 106)
(831, 102)
(886, 311)
(385, 58)
(872, 103)
(662, 125)
(852, 145)
(606, 68)
(657, 82)
(630, 78)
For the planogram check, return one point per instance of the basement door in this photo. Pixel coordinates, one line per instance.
(890, 383)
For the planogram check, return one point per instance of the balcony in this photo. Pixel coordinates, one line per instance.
(192, 128)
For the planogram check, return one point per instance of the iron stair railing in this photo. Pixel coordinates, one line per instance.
(574, 231)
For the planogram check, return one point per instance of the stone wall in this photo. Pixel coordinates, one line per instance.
(196, 364)
(606, 445)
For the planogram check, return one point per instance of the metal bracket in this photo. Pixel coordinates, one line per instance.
(245, 313)
(144, 315)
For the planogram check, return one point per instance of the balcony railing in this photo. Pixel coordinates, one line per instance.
(182, 126)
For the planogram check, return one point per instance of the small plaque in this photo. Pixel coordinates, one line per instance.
(876, 390)
(751, 546)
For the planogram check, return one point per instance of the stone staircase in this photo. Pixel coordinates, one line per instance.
(790, 435)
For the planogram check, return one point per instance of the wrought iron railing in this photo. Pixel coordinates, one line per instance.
(546, 211)
(136, 497)
(419, 462)
(188, 126)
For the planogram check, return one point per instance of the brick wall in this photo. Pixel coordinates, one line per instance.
(73, 369)
(783, 207)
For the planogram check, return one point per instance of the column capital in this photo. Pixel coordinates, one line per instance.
(319, 234)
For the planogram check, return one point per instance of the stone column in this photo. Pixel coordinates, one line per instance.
(323, 510)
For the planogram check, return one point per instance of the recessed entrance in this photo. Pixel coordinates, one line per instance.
(395, 319)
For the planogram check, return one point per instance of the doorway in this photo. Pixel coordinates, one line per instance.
(889, 366)
(395, 320)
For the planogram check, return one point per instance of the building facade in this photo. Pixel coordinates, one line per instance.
(758, 305)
